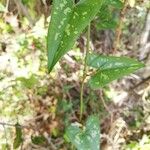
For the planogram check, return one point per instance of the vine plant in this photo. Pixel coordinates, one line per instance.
(68, 20)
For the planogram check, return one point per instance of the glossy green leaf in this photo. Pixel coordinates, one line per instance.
(18, 139)
(61, 12)
(110, 68)
(87, 138)
(74, 19)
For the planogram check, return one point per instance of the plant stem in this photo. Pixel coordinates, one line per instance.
(84, 72)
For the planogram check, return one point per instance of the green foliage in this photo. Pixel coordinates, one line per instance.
(20, 48)
(2, 8)
(108, 15)
(114, 3)
(5, 147)
(57, 26)
(38, 140)
(28, 82)
(110, 68)
(64, 105)
(18, 139)
(5, 28)
(87, 138)
(107, 19)
(25, 1)
(67, 22)
(142, 144)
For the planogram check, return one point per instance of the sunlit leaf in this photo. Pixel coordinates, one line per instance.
(2, 8)
(28, 82)
(5, 147)
(18, 139)
(110, 68)
(87, 138)
(66, 25)
(25, 2)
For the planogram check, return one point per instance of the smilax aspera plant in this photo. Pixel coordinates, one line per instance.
(68, 20)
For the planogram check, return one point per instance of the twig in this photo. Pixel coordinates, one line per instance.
(105, 106)
(109, 140)
(22, 145)
(103, 101)
(24, 11)
(142, 82)
(51, 144)
(7, 5)
(13, 125)
(84, 72)
(119, 29)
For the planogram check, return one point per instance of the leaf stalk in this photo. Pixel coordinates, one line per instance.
(84, 72)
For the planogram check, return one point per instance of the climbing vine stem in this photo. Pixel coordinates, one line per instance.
(84, 72)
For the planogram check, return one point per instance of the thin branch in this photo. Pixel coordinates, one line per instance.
(119, 29)
(7, 5)
(24, 11)
(142, 82)
(105, 106)
(14, 125)
(84, 73)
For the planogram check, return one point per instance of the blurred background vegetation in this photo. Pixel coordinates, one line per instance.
(42, 105)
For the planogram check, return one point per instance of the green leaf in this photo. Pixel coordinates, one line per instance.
(5, 147)
(2, 8)
(25, 2)
(107, 24)
(110, 68)
(107, 19)
(28, 82)
(66, 25)
(18, 139)
(87, 138)
(61, 12)
(108, 15)
(38, 140)
(115, 3)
